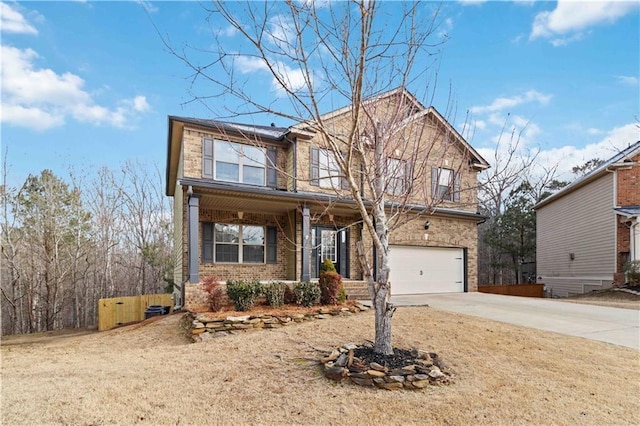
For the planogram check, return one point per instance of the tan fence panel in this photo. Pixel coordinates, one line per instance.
(524, 290)
(124, 310)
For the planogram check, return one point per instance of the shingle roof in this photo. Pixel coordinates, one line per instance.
(271, 132)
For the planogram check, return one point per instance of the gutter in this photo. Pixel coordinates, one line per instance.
(318, 196)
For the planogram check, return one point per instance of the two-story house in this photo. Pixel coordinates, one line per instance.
(590, 229)
(268, 203)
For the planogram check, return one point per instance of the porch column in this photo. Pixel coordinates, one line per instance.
(306, 244)
(193, 239)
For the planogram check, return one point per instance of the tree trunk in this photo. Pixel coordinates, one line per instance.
(384, 312)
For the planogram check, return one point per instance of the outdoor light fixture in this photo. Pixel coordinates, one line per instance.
(572, 256)
(240, 215)
(426, 225)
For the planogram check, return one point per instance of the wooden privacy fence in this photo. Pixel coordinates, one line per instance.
(123, 310)
(525, 290)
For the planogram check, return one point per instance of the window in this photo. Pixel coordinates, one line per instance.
(234, 162)
(328, 246)
(445, 184)
(398, 176)
(227, 243)
(329, 172)
(239, 163)
(325, 171)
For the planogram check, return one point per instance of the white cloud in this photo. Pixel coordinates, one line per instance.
(12, 21)
(594, 131)
(140, 104)
(229, 31)
(500, 104)
(147, 5)
(445, 28)
(629, 80)
(574, 17)
(471, 2)
(40, 98)
(567, 157)
(563, 41)
(249, 64)
(317, 4)
(290, 78)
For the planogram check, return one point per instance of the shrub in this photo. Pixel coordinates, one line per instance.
(243, 294)
(289, 295)
(342, 295)
(330, 286)
(632, 272)
(215, 295)
(327, 266)
(307, 293)
(274, 293)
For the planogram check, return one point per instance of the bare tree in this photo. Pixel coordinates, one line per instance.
(145, 214)
(346, 53)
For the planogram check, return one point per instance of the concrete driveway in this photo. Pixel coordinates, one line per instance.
(612, 325)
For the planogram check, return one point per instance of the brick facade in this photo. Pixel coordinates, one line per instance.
(628, 185)
(426, 137)
(627, 194)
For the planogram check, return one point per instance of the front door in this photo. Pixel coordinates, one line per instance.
(329, 243)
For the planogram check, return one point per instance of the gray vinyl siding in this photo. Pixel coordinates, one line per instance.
(583, 223)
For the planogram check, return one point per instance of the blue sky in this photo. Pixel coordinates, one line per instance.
(86, 84)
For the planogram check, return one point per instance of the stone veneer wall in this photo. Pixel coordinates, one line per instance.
(205, 326)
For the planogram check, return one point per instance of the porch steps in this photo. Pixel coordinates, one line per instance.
(356, 290)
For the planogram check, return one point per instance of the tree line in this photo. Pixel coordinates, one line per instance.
(66, 243)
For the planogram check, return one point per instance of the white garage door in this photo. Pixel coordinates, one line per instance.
(416, 270)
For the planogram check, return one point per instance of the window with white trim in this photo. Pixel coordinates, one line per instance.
(328, 170)
(239, 243)
(445, 184)
(397, 176)
(234, 162)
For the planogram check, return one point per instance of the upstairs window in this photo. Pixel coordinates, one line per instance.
(398, 176)
(445, 184)
(234, 162)
(325, 171)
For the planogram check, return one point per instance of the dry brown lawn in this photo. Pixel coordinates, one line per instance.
(149, 374)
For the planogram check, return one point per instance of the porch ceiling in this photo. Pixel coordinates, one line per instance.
(240, 202)
(266, 203)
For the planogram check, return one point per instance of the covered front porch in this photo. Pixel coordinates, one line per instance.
(256, 234)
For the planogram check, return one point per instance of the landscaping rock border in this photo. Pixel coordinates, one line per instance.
(204, 326)
(424, 369)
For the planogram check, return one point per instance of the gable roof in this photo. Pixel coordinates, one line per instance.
(622, 159)
(418, 111)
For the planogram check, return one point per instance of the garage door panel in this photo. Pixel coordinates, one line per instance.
(416, 270)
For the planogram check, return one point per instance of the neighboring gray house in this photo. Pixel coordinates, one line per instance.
(588, 230)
